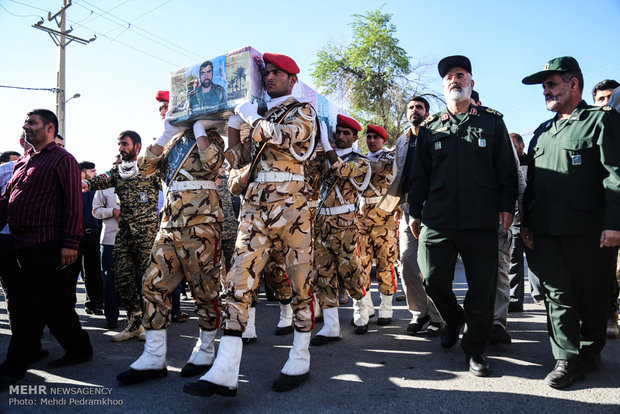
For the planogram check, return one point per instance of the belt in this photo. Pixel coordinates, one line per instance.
(371, 200)
(333, 211)
(277, 177)
(192, 185)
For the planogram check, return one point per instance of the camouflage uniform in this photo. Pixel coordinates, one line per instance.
(137, 226)
(230, 223)
(274, 216)
(377, 228)
(187, 241)
(336, 234)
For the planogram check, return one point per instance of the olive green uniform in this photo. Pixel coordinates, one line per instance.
(572, 194)
(464, 174)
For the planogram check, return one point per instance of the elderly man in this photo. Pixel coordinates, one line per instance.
(464, 187)
(275, 215)
(572, 217)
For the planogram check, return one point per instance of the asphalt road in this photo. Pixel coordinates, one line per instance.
(384, 371)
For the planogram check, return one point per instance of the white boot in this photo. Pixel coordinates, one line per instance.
(360, 312)
(331, 328)
(249, 335)
(202, 355)
(225, 369)
(367, 300)
(385, 310)
(285, 324)
(154, 355)
(297, 367)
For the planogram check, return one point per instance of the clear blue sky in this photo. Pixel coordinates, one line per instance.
(119, 74)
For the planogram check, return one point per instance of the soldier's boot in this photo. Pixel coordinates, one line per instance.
(132, 329)
(360, 315)
(249, 335)
(223, 377)
(318, 313)
(285, 324)
(385, 310)
(202, 355)
(367, 299)
(331, 328)
(297, 367)
(152, 362)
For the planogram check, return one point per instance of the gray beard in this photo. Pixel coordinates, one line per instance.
(458, 96)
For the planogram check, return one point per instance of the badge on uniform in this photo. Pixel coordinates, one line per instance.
(444, 117)
(143, 197)
(482, 143)
(437, 145)
(576, 159)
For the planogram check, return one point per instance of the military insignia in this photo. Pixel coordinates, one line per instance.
(482, 143)
(606, 108)
(494, 112)
(546, 66)
(473, 111)
(444, 116)
(428, 120)
(442, 129)
(143, 197)
(576, 159)
(437, 145)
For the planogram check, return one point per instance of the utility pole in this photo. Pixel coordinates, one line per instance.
(59, 37)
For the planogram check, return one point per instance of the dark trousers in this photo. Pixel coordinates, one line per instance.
(516, 273)
(88, 264)
(110, 301)
(574, 274)
(615, 289)
(38, 297)
(437, 253)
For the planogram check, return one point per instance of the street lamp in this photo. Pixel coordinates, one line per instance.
(77, 95)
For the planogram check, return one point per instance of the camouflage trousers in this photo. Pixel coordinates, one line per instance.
(336, 254)
(379, 242)
(191, 251)
(502, 294)
(276, 278)
(283, 226)
(129, 262)
(227, 249)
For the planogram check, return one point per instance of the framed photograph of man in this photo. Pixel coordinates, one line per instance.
(207, 85)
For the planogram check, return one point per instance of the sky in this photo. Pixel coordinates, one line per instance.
(139, 42)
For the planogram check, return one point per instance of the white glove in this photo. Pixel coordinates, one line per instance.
(235, 121)
(325, 137)
(248, 111)
(169, 129)
(202, 125)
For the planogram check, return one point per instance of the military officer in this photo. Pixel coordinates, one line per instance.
(336, 232)
(137, 225)
(378, 228)
(464, 186)
(572, 217)
(274, 215)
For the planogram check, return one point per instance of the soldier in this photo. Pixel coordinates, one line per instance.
(572, 217)
(209, 94)
(464, 187)
(377, 228)
(336, 232)
(137, 225)
(186, 245)
(274, 215)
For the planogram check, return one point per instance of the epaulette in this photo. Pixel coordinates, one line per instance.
(494, 112)
(428, 120)
(605, 108)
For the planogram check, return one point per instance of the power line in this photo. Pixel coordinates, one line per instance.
(54, 90)
(28, 5)
(19, 15)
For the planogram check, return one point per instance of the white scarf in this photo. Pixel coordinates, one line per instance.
(340, 152)
(373, 156)
(128, 169)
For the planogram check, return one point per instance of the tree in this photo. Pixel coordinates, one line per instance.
(372, 74)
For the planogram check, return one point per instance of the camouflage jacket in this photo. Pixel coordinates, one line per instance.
(383, 170)
(195, 206)
(293, 134)
(137, 197)
(230, 223)
(316, 168)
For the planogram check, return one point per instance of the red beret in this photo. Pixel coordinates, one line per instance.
(377, 130)
(163, 96)
(346, 122)
(282, 62)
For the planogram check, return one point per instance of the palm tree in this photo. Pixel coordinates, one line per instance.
(240, 76)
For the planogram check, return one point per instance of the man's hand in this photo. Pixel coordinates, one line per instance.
(610, 238)
(67, 256)
(116, 213)
(169, 130)
(248, 111)
(505, 220)
(397, 215)
(203, 125)
(527, 237)
(84, 186)
(416, 226)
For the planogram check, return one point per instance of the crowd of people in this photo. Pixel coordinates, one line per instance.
(288, 201)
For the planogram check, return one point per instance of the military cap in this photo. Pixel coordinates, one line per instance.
(450, 62)
(282, 62)
(377, 130)
(163, 96)
(559, 64)
(346, 122)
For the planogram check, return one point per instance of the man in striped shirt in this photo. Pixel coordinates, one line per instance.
(42, 205)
